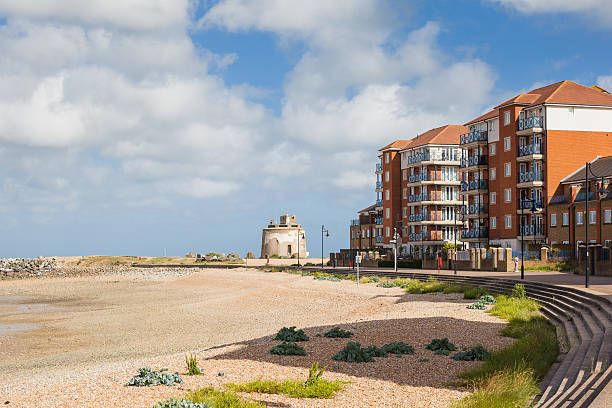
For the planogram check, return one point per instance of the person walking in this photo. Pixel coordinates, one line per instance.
(516, 269)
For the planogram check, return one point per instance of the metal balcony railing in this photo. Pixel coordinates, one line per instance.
(528, 176)
(474, 161)
(475, 209)
(474, 185)
(531, 229)
(379, 221)
(531, 122)
(415, 237)
(582, 196)
(480, 232)
(378, 166)
(416, 178)
(379, 202)
(354, 222)
(416, 217)
(378, 185)
(380, 239)
(528, 149)
(418, 157)
(527, 205)
(413, 198)
(475, 136)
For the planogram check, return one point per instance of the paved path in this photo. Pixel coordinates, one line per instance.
(601, 285)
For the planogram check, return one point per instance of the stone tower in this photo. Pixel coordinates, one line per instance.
(282, 238)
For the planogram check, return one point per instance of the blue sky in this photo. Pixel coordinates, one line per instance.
(187, 125)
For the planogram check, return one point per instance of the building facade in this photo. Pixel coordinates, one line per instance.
(363, 229)
(284, 239)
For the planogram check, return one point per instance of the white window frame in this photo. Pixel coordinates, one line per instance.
(507, 144)
(579, 217)
(405, 193)
(565, 219)
(493, 223)
(607, 216)
(404, 212)
(387, 176)
(507, 169)
(592, 217)
(386, 157)
(507, 195)
(405, 174)
(387, 231)
(506, 118)
(386, 194)
(553, 220)
(508, 221)
(492, 173)
(387, 212)
(492, 149)
(493, 198)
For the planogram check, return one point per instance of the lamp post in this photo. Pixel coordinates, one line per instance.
(602, 193)
(299, 234)
(323, 231)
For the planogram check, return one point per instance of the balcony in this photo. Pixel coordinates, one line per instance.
(581, 196)
(354, 222)
(525, 206)
(416, 217)
(530, 178)
(425, 236)
(380, 239)
(475, 233)
(474, 185)
(414, 198)
(379, 202)
(478, 160)
(418, 157)
(379, 185)
(531, 123)
(379, 220)
(432, 157)
(417, 178)
(476, 210)
(530, 149)
(532, 230)
(378, 167)
(474, 137)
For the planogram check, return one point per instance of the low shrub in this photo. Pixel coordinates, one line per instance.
(182, 403)
(482, 302)
(148, 377)
(510, 388)
(337, 332)
(290, 334)
(329, 278)
(473, 353)
(288, 349)
(376, 351)
(430, 286)
(519, 291)
(441, 346)
(220, 399)
(313, 387)
(192, 365)
(455, 288)
(398, 347)
(369, 279)
(396, 283)
(354, 353)
(475, 293)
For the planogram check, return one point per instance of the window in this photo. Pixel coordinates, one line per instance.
(507, 144)
(388, 231)
(508, 221)
(492, 149)
(386, 175)
(508, 195)
(405, 212)
(493, 174)
(607, 216)
(579, 215)
(386, 194)
(386, 157)
(405, 193)
(493, 223)
(506, 118)
(405, 174)
(493, 198)
(553, 220)
(507, 170)
(592, 217)
(565, 219)
(387, 213)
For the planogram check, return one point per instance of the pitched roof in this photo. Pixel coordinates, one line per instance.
(488, 115)
(368, 209)
(564, 92)
(448, 134)
(600, 166)
(398, 144)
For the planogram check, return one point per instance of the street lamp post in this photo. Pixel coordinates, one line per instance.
(603, 193)
(323, 231)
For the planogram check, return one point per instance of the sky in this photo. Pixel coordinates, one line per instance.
(144, 127)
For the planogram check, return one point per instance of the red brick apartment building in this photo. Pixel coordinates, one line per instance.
(511, 162)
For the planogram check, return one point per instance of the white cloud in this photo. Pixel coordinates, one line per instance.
(598, 9)
(605, 81)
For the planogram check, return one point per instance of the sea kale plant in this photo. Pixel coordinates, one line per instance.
(337, 332)
(354, 353)
(182, 403)
(399, 347)
(147, 377)
(441, 346)
(471, 354)
(288, 349)
(290, 334)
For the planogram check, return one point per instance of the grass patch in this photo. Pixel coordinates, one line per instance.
(220, 399)
(455, 288)
(509, 377)
(288, 349)
(313, 387)
(369, 279)
(474, 293)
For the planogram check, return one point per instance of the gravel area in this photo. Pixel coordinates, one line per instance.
(94, 331)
